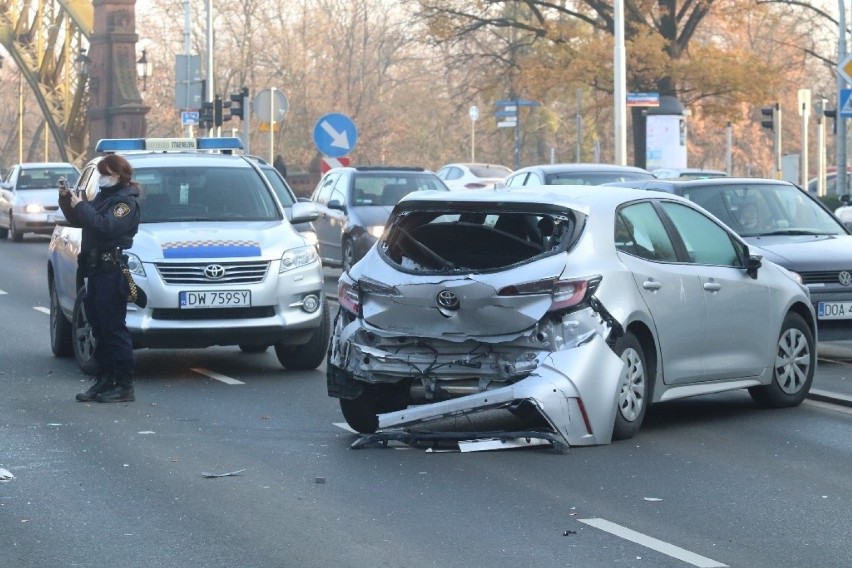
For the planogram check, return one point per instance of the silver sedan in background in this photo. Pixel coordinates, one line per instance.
(570, 308)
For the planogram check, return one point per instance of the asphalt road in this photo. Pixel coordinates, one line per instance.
(710, 481)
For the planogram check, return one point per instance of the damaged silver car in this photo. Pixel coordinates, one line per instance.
(568, 313)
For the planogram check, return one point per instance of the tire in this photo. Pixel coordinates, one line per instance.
(361, 412)
(60, 327)
(82, 339)
(633, 388)
(245, 348)
(311, 354)
(794, 366)
(13, 231)
(347, 255)
(4, 232)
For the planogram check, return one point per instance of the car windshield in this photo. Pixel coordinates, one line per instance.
(476, 237)
(45, 178)
(490, 171)
(282, 190)
(594, 178)
(765, 209)
(204, 194)
(386, 189)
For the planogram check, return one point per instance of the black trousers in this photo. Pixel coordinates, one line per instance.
(106, 308)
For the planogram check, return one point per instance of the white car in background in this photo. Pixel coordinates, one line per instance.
(28, 198)
(473, 176)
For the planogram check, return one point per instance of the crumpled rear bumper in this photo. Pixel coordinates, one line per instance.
(575, 390)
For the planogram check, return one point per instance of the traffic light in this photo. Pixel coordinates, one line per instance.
(832, 114)
(769, 112)
(238, 103)
(219, 108)
(205, 115)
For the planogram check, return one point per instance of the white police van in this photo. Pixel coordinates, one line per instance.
(215, 259)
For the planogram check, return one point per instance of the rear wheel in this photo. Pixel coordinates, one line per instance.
(82, 338)
(633, 389)
(794, 366)
(4, 232)
(348, 254)
(60, 327)
(17, 236)
(311, 354)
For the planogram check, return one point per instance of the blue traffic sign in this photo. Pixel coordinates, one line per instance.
(845, 104)
(335, 135)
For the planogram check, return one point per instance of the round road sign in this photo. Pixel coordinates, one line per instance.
(270, 105)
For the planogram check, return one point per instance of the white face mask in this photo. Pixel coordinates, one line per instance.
(107, 181)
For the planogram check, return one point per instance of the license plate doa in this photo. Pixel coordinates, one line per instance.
(834, 310)
(217, 299)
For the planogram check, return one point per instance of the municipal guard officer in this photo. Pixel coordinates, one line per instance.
(109, 223)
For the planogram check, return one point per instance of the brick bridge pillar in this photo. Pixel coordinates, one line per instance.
(115, 107)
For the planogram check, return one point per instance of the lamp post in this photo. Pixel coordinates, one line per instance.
(144, 69)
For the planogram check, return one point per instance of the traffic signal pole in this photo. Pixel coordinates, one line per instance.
(840, 179)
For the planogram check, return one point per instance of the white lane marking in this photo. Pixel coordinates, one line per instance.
(2, 292)
(828, 406)
(653, 543)
(217, 376)
(42, 309)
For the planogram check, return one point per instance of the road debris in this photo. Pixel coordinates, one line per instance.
(230, 473)
(6, 475)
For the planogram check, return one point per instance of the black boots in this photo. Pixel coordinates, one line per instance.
(123, 391)
(103, 382)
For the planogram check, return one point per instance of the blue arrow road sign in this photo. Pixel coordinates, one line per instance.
(845, 104)
(335, 135)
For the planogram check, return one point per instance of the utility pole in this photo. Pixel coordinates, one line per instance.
(840, 183)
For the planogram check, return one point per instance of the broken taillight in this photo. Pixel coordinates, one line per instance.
(348, 297)
(564, 293)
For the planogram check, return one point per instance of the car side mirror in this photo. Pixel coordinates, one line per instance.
(6, 185)
(304, 212)
(755, 261)
(336, 204)
(844, 199)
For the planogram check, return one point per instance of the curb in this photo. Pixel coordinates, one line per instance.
(831, 397)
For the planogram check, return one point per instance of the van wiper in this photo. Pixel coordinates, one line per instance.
(791, 232)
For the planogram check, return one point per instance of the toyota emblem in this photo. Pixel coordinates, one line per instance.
(214, 271)
(845, 278)
(448, 300)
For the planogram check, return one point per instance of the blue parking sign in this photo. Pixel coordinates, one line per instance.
(335, 135)
(845, 104)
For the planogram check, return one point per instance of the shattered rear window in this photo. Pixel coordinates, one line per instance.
(481, 237)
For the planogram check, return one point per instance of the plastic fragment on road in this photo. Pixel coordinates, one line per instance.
(230, 473)
(6, 475)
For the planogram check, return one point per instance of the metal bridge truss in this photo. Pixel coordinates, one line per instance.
(47, 39)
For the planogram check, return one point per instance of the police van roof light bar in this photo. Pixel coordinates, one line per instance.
(112, 145)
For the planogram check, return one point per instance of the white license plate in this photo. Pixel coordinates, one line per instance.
(834, 310)
(217, 299)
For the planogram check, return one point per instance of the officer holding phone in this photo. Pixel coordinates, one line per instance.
(109, 223)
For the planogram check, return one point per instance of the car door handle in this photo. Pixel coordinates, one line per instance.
(712, 286)
(651, 285)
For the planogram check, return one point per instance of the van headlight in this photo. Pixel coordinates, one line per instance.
(34, 208)
(134, 265)
(376, 230)
(294, 258)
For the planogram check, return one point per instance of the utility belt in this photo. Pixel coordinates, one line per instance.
(105, 259)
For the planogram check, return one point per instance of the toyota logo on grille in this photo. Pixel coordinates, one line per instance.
(214, 271)
(845, 278)
(448, 300)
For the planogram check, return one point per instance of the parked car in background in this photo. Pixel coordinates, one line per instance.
(572, 309)
(473, 176)
(215, 260)
(355, 203)
(687, 173)
(830, 182)
(787, 226)
(29, 198)
(574, 174)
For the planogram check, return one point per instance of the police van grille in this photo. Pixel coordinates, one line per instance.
(250, 272)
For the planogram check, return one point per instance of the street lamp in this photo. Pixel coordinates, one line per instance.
(82, 63)
(144, 69)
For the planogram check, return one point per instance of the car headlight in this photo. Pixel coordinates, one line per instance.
(135, 265)
(34, 208)
(294, 258)
(310, 237)
(376, 230)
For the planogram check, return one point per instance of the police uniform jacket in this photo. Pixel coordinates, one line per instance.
(109, 221)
